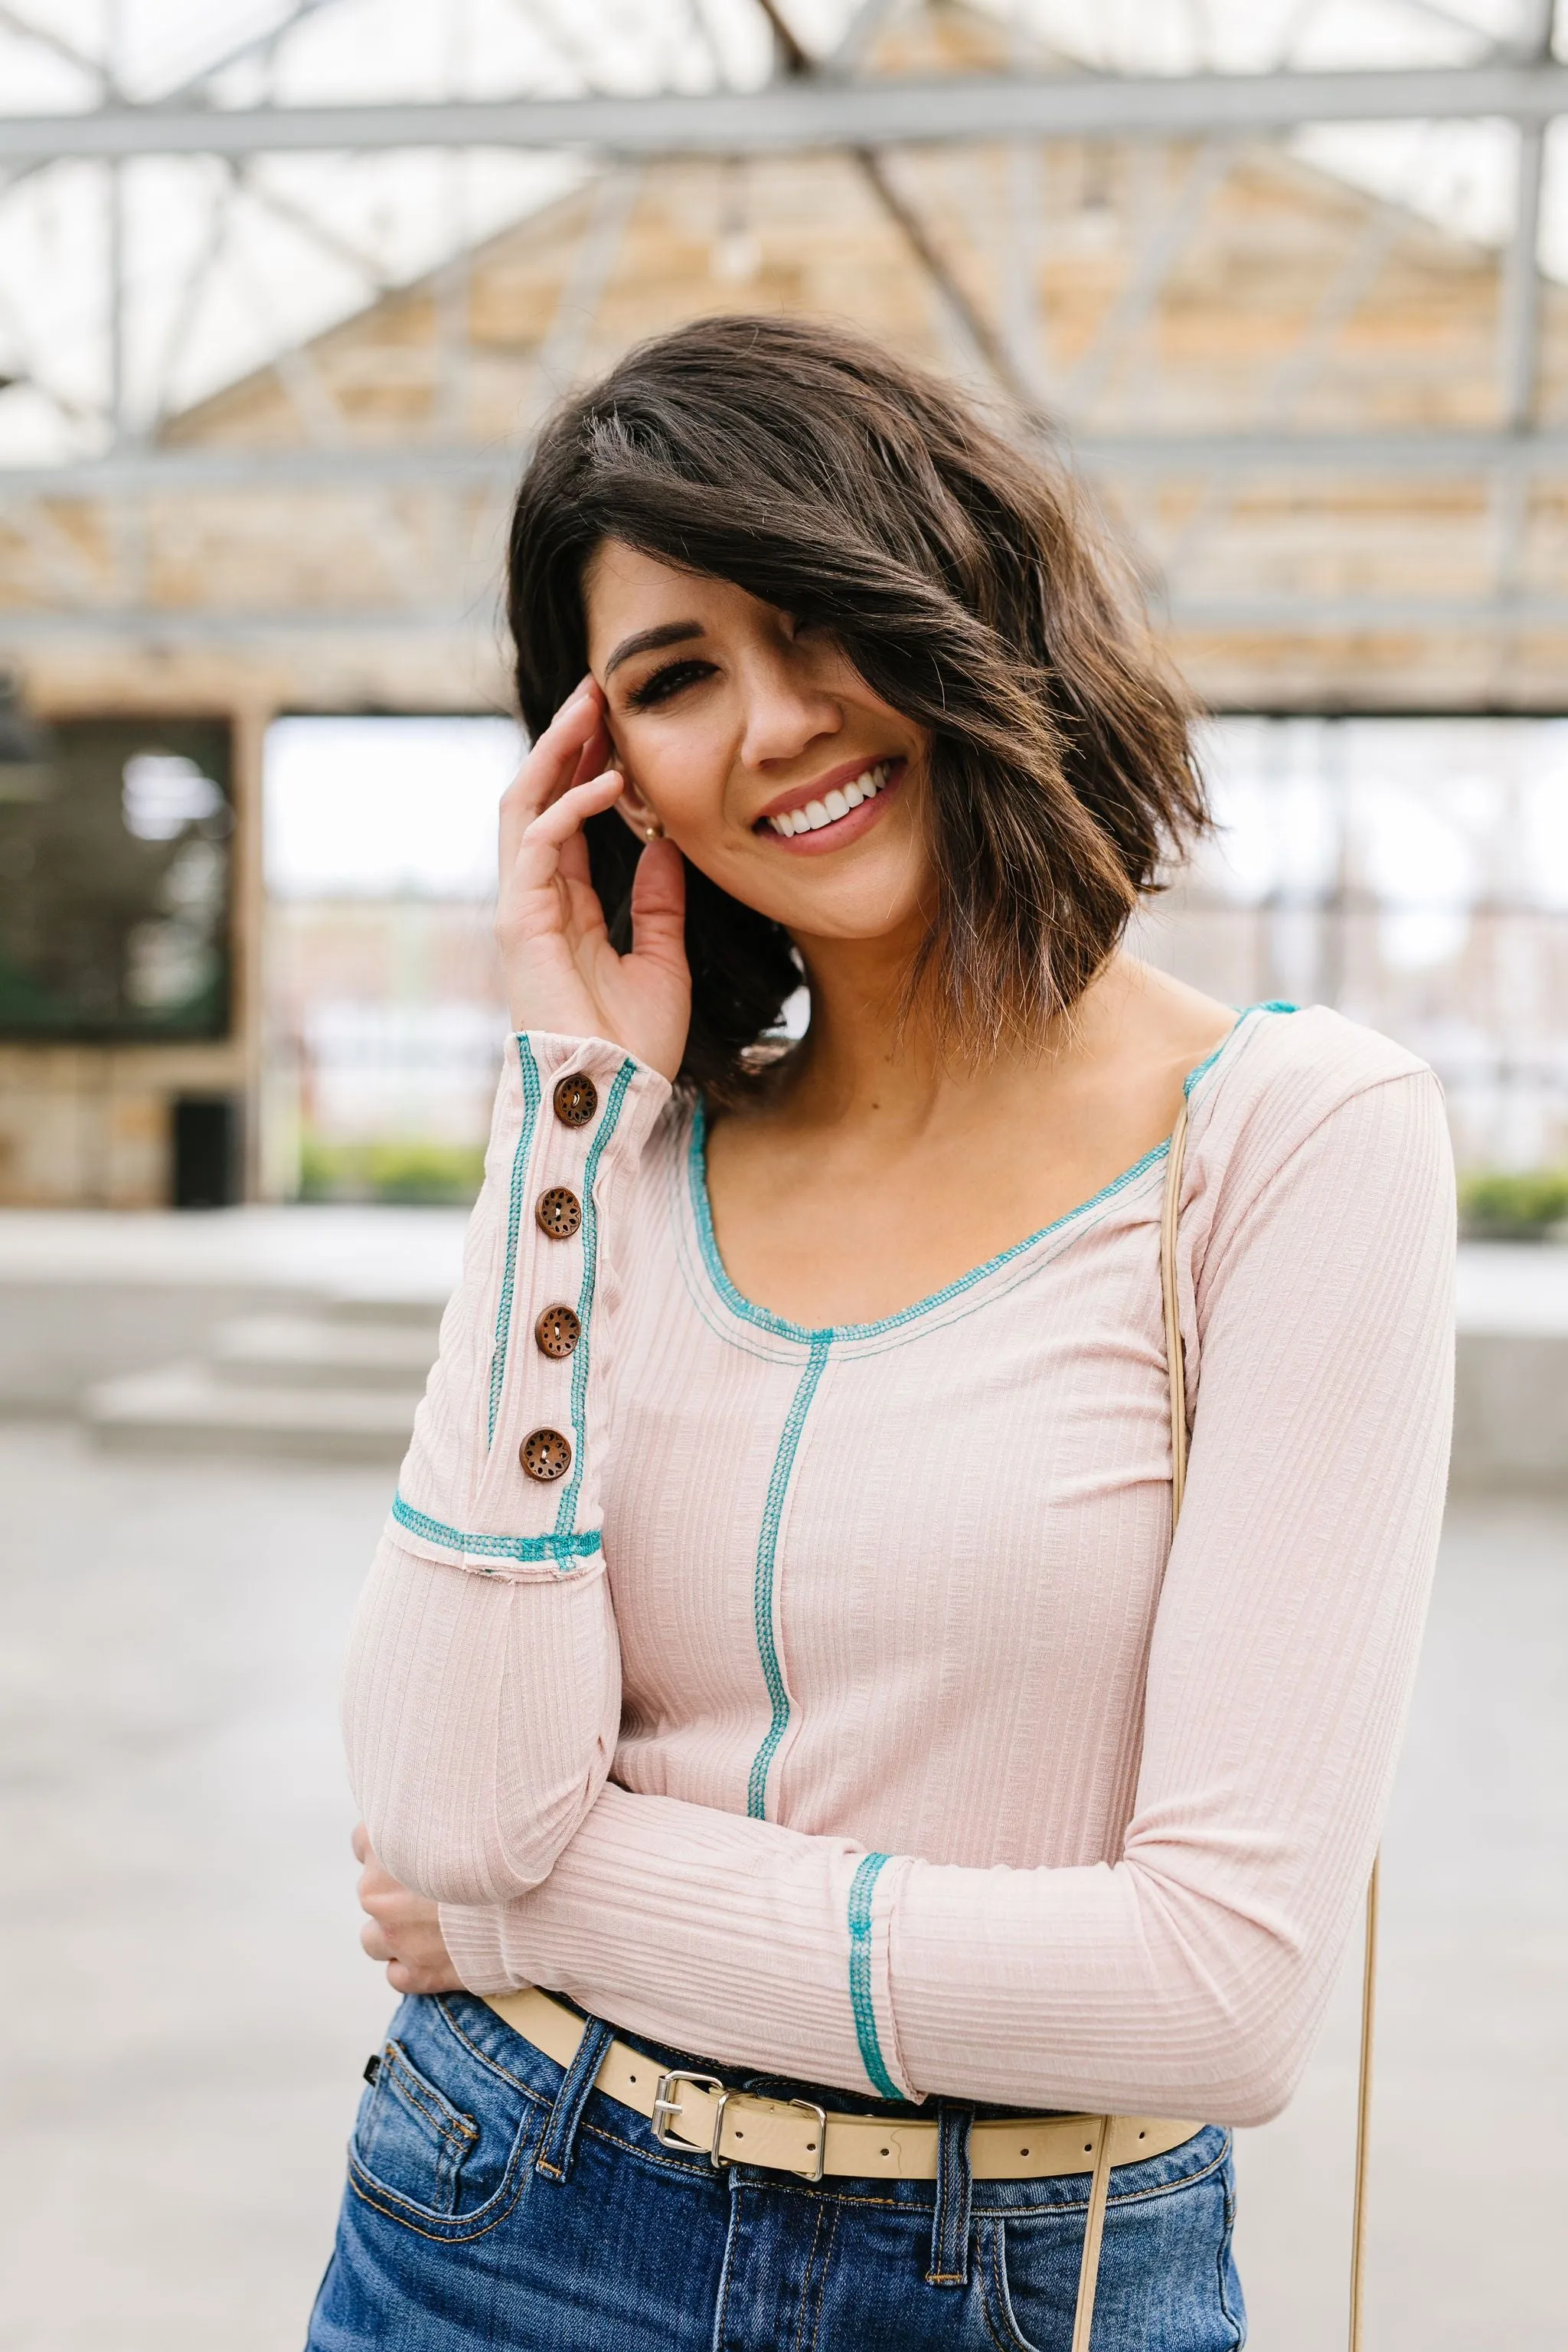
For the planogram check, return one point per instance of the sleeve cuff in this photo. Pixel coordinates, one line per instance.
(872, 1893)
(476, 1945)
(504, 1474)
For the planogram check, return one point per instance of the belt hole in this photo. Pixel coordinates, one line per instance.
(810, 2146)
(1142, 2135)
(886, 2151)
(739, 2134)
(1023, 2151)
(1089, 2147)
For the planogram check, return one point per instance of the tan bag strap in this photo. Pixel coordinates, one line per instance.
(1099, 2182)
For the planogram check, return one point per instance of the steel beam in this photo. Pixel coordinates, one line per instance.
(1415, 454)
(1239, 613)
(201, 625)
(174, 471)
(814, 111)
(1171, 226)
(1236, 613)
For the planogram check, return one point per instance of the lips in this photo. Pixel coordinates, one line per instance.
(839, 806)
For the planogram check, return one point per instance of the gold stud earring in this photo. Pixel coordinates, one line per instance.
(653, 832)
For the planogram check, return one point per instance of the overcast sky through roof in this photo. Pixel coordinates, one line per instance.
(222, 272)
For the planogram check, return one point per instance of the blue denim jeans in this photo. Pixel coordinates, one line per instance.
(494, 2199)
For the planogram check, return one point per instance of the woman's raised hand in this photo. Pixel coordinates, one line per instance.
(562, 972)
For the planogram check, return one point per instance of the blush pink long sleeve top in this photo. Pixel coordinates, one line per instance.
(846, 1709)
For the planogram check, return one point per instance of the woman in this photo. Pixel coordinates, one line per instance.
(778, 1650)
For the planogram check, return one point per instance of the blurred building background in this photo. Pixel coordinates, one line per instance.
(285, 288)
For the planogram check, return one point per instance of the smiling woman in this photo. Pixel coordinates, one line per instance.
(877, 516)
(845, 1854)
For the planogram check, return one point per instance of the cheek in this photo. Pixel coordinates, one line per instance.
(681, 766)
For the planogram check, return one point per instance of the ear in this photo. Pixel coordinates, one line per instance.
(637, 812)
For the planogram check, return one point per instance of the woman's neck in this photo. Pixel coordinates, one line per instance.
(875, 1053)
(879, 1169)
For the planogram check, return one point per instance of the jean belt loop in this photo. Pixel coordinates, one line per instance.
(955, 2193)
(554, 2158)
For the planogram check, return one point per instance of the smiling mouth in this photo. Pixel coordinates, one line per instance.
(822, 816)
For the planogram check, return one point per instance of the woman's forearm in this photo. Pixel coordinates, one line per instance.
(483, 1687)
(1106, 1988)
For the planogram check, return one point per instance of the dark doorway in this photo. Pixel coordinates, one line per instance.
(206, 1152)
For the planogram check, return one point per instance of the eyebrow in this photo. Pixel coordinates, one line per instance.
(649, 641)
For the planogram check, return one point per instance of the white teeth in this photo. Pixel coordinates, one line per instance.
(832, 806)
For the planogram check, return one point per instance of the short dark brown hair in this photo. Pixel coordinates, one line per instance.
(958, 567)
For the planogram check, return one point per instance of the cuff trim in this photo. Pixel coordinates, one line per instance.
(862, 1888)
(560, 1549)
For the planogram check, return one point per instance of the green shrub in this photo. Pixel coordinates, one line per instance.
(425, 1174)
(1520, 1207)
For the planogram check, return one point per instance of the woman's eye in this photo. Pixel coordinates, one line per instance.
(667, 681)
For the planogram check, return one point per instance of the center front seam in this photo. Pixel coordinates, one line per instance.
(765, 1577)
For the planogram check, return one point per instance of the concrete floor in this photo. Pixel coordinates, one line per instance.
(187, 2009)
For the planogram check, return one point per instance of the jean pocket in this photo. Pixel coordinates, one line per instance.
(1167, 2282)
(409, 2137)
(440, 2136)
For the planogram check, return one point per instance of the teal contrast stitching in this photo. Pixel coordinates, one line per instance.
(1275, 1005)
(697, 1164)
(764, 1320)
(558, 1547)
(617, 1096)
(860, 2001)
(513, 1222)
(763, 1585)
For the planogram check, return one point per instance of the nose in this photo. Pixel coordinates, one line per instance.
(785, 709)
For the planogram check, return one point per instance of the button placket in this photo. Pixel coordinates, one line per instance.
(545, 1455)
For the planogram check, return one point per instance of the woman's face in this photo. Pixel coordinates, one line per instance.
(754, 744)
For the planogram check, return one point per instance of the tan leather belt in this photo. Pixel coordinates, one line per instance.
(698, 2115)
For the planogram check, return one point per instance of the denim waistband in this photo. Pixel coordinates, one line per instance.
(539, 2078)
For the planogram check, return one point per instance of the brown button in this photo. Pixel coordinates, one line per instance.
(545, 1455)
(559, 1213)
(557, 1332)
(576, 1100)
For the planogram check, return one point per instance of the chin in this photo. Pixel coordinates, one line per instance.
(874, 903)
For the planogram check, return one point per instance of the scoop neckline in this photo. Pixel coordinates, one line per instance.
(827, 1335)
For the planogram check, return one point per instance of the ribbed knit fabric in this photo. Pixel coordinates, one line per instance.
(880, 1744)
